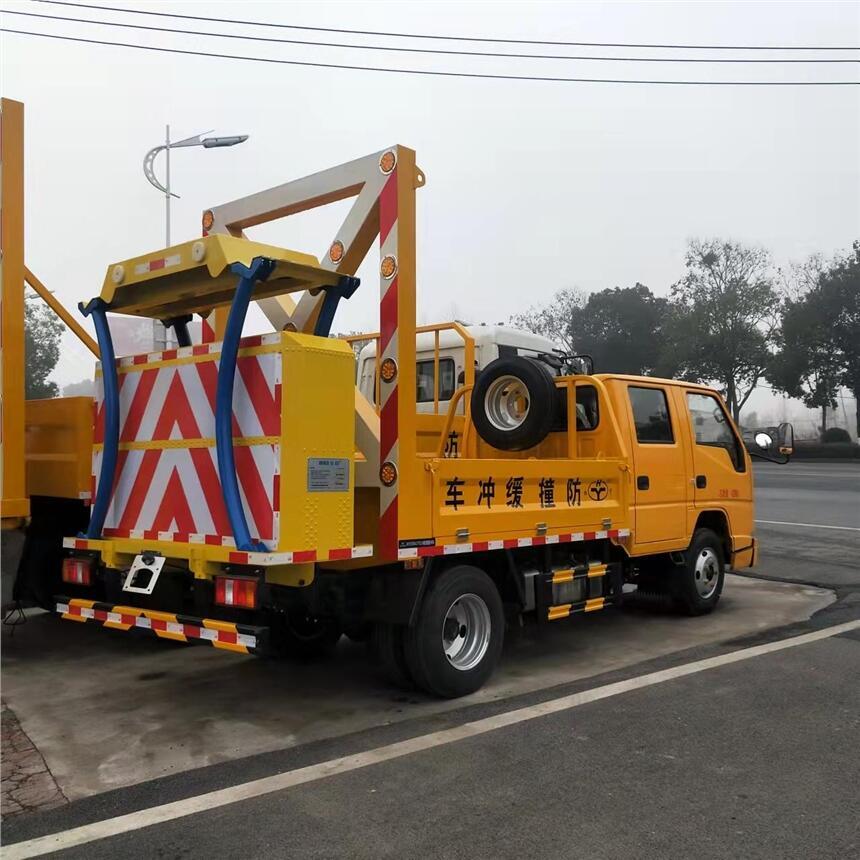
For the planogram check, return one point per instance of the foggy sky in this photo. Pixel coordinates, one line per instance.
(531, 187)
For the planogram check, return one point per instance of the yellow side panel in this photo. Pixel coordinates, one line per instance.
(58, 444)
(14, 500)
(317, 443)
(516, 498)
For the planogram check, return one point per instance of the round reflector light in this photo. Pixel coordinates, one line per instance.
(335, 252)
(387, 162)
(388, 473)
(388, 371)
(388, 267)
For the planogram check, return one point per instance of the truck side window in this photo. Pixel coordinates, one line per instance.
(424, 380)
(651, 415)
(711, 427)
(587, 412)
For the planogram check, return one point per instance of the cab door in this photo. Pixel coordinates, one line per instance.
(660, 492)
(721, 476)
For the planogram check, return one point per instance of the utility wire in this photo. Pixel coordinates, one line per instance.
(452, 38)
(427, 72)
(428, 50)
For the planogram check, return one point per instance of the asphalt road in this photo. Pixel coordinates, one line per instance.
(808, 522)
(722, 749)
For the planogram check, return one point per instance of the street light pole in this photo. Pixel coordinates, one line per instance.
(167, 186)
(159, 335)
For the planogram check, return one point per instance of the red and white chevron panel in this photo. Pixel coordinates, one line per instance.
(172, 492)
(509, 543)
(256, 559)
(388, 424)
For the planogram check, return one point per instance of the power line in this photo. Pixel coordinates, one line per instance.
(426, 72)
(453, 38)
(401, 49)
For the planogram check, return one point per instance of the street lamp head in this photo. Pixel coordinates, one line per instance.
(210, 142)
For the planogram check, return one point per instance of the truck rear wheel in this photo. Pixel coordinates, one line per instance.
(699, 583)
(453, 648)
(514, 403)
(387, 651)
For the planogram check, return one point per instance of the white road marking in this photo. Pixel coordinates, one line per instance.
(804, 474)
(300, 776)
(808, 525)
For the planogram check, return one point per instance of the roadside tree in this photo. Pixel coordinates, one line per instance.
(554, 319)
(808, 364)
(819, 336)
(842, 281)
(722, 318)
(42, 333)
(621, 329)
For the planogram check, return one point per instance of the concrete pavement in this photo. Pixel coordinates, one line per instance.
(168, 709)
(743, 759)
(715, 752)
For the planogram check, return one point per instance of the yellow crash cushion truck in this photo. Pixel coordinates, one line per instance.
(245, 494)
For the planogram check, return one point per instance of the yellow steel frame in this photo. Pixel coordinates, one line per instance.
(15, 504)
(414, 443)
(436, 328)
(195, 277)
(48, 297)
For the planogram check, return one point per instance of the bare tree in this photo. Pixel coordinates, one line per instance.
(554, 319)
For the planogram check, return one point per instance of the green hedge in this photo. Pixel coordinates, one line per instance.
(826, 450)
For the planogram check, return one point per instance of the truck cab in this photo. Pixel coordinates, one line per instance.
(690, 467)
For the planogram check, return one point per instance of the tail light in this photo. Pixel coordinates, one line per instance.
(78, 570)
(236, 591)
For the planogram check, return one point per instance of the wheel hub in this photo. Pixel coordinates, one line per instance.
(707, 573)
(506, 403)
(466, 632)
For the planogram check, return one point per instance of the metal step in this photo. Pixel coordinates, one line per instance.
(583, 588)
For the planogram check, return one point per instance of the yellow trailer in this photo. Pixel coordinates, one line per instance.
(246, 494)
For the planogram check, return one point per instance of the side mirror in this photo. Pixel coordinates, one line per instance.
(786, 439)
(764, 440)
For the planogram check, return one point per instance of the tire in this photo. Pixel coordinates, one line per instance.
(697, 585)
(357, 632)
(304, 636)
(514, 403)
(467, 597)
(386, 646)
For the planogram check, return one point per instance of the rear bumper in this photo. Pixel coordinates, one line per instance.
(240, 638)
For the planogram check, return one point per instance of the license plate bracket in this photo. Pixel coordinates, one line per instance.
(143, 574)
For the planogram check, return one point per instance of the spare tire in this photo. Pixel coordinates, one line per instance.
(514, 403)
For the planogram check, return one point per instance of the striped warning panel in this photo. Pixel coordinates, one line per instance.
(566, 609)
(241, 638)
(508, 543)
(156, 265)
(253, 559)
(167, 484)
(388, 351)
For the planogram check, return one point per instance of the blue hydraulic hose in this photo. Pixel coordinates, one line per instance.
(259, 269)
(97, 308)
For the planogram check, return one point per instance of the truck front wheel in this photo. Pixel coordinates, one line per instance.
(699, 583)
(453, 648)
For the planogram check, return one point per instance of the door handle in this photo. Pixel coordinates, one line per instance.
(701, 482)
(642, 482)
